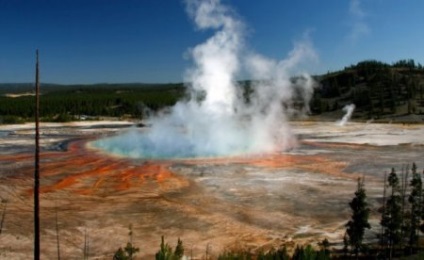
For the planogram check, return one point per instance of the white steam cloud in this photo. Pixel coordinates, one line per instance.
(348, 109)
(218, 119)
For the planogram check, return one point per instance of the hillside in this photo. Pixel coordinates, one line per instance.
(74, 102)
(380, 91)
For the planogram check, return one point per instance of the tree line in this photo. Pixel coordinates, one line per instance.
(71, 103)
(377, 89)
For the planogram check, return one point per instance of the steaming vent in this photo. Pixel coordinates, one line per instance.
(217, 119)
(348, 109)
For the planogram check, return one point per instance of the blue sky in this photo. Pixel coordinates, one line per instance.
(93, 41)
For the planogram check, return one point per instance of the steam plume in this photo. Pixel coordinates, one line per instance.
(348, 109)
(217, 119)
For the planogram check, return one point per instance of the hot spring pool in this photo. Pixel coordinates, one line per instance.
(143, 144)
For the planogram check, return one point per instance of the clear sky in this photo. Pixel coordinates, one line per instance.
(93, 41)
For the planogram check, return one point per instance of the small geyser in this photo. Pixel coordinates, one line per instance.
(217, 120)
(348, 109)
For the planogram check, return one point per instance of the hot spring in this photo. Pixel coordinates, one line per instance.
(141, 144)
(149, 143)
(220, 117)
(216, 118)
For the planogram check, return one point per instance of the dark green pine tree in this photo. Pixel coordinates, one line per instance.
(299, 253)
(324, 252)
(179, 249)
(165, 251)
(120, 255)
(355, 228)
(415, 199)
(129, 251)
(422, 211)
(391, 220)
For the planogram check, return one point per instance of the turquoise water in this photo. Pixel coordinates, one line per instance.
(141, 145)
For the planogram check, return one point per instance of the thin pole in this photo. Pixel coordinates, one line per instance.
(86, 245)
(37, 165)
(57, 235)
(4, 203)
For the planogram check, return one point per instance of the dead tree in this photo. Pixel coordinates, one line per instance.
(3, 215)
(37, 164)
(57, 235)
(86, 245)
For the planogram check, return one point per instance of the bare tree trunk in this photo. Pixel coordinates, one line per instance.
(382, 236)
(37, 164)
(3, 215)
(402, 210)
(391, 242)
(85, 244)
(404, 187)
(131, 242)
(57, 236)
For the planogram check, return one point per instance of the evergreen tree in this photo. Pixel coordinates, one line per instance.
(304, 253)
(345, 245)
(310, 253)
(324, 252)
(282, 254)
(129, 250)
(359, 220)
(120, 255)
(179, 249)
(299, 253)
(391, 220)
(422, 211)
(125, 254)
(405, 212)
(415, 199)
(165, 251)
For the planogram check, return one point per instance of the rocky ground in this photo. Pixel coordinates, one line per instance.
(256, 202)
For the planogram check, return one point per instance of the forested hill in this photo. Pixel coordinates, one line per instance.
(74, 102)
(380, 91)
(19, 88)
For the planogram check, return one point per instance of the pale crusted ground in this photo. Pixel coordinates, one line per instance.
(258, 202)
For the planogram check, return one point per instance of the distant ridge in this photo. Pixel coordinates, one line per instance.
(16, 88)
(380, 91)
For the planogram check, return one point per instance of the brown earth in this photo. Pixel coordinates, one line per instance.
(255, 202)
